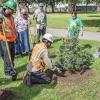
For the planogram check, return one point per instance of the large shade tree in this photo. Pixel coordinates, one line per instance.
(71, 5)
(98, 4)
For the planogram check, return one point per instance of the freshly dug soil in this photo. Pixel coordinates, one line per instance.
(71, 79)
(6, 95)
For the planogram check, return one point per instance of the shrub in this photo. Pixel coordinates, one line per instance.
(73, 56)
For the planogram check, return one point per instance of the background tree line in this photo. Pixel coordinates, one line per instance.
(71, 3)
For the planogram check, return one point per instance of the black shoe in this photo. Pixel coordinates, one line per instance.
(27, 80)
(14, 76)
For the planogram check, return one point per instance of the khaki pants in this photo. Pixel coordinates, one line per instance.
(40, 32)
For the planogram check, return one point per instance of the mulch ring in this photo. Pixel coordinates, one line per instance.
(72, 79)
(6, 94)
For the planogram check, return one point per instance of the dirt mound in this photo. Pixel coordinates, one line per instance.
(6, 95)
(71, 79)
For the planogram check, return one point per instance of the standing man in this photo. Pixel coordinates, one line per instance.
(39, 61)
(41, 21)
(7, 38)
(75, 26)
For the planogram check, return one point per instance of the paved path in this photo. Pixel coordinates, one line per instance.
(63, 33)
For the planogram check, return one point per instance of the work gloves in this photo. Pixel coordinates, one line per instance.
(58, 71)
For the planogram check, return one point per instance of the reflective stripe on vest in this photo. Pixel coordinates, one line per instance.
(35, 60)
(8, 26)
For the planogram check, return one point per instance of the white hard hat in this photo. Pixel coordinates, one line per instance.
(48, 37)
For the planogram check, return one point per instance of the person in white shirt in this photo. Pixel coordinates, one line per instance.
(41, 21)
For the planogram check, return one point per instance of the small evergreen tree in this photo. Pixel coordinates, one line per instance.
(73, 56)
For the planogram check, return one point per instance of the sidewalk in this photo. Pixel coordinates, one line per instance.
(63, 33)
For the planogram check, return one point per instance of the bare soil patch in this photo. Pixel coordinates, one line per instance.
(6, 95)
(72, 79)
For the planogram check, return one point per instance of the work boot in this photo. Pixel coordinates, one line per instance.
(8, 77)
(27, 80)
(14, 75)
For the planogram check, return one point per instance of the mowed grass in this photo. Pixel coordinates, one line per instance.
(87, 90)
(91, 21)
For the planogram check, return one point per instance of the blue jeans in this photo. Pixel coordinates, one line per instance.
(1, 50)
(23, 42)
(8, 68)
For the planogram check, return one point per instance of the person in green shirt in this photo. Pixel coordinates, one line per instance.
(75, 26)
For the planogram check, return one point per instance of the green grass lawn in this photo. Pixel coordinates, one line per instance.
(91, 21)
(87, 90)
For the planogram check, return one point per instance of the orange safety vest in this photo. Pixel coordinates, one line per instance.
(35, 60)
(9, 27)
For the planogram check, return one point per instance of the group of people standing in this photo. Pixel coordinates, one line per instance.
(22, 23)
(12, 31)
(17, 30)
(22, 28)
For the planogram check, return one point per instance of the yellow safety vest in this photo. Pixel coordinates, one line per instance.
(9, 27)
(35, 60)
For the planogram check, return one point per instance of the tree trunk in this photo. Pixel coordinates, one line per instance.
(72, 6)
(52, 6)
(98, 7)
(86, 7)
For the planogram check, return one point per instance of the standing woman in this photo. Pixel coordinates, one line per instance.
(21, 24)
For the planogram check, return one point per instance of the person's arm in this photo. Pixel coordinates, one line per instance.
(81, 28)
(46, 18)
(46, 59)
(16, 22)
(16, 28)
(29, 21)
(48, 63)
(68, 24)
(33, 16)
(81, 31)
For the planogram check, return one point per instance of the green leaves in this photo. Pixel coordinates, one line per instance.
(73, 56)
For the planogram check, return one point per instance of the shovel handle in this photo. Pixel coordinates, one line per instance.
(9, 55)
